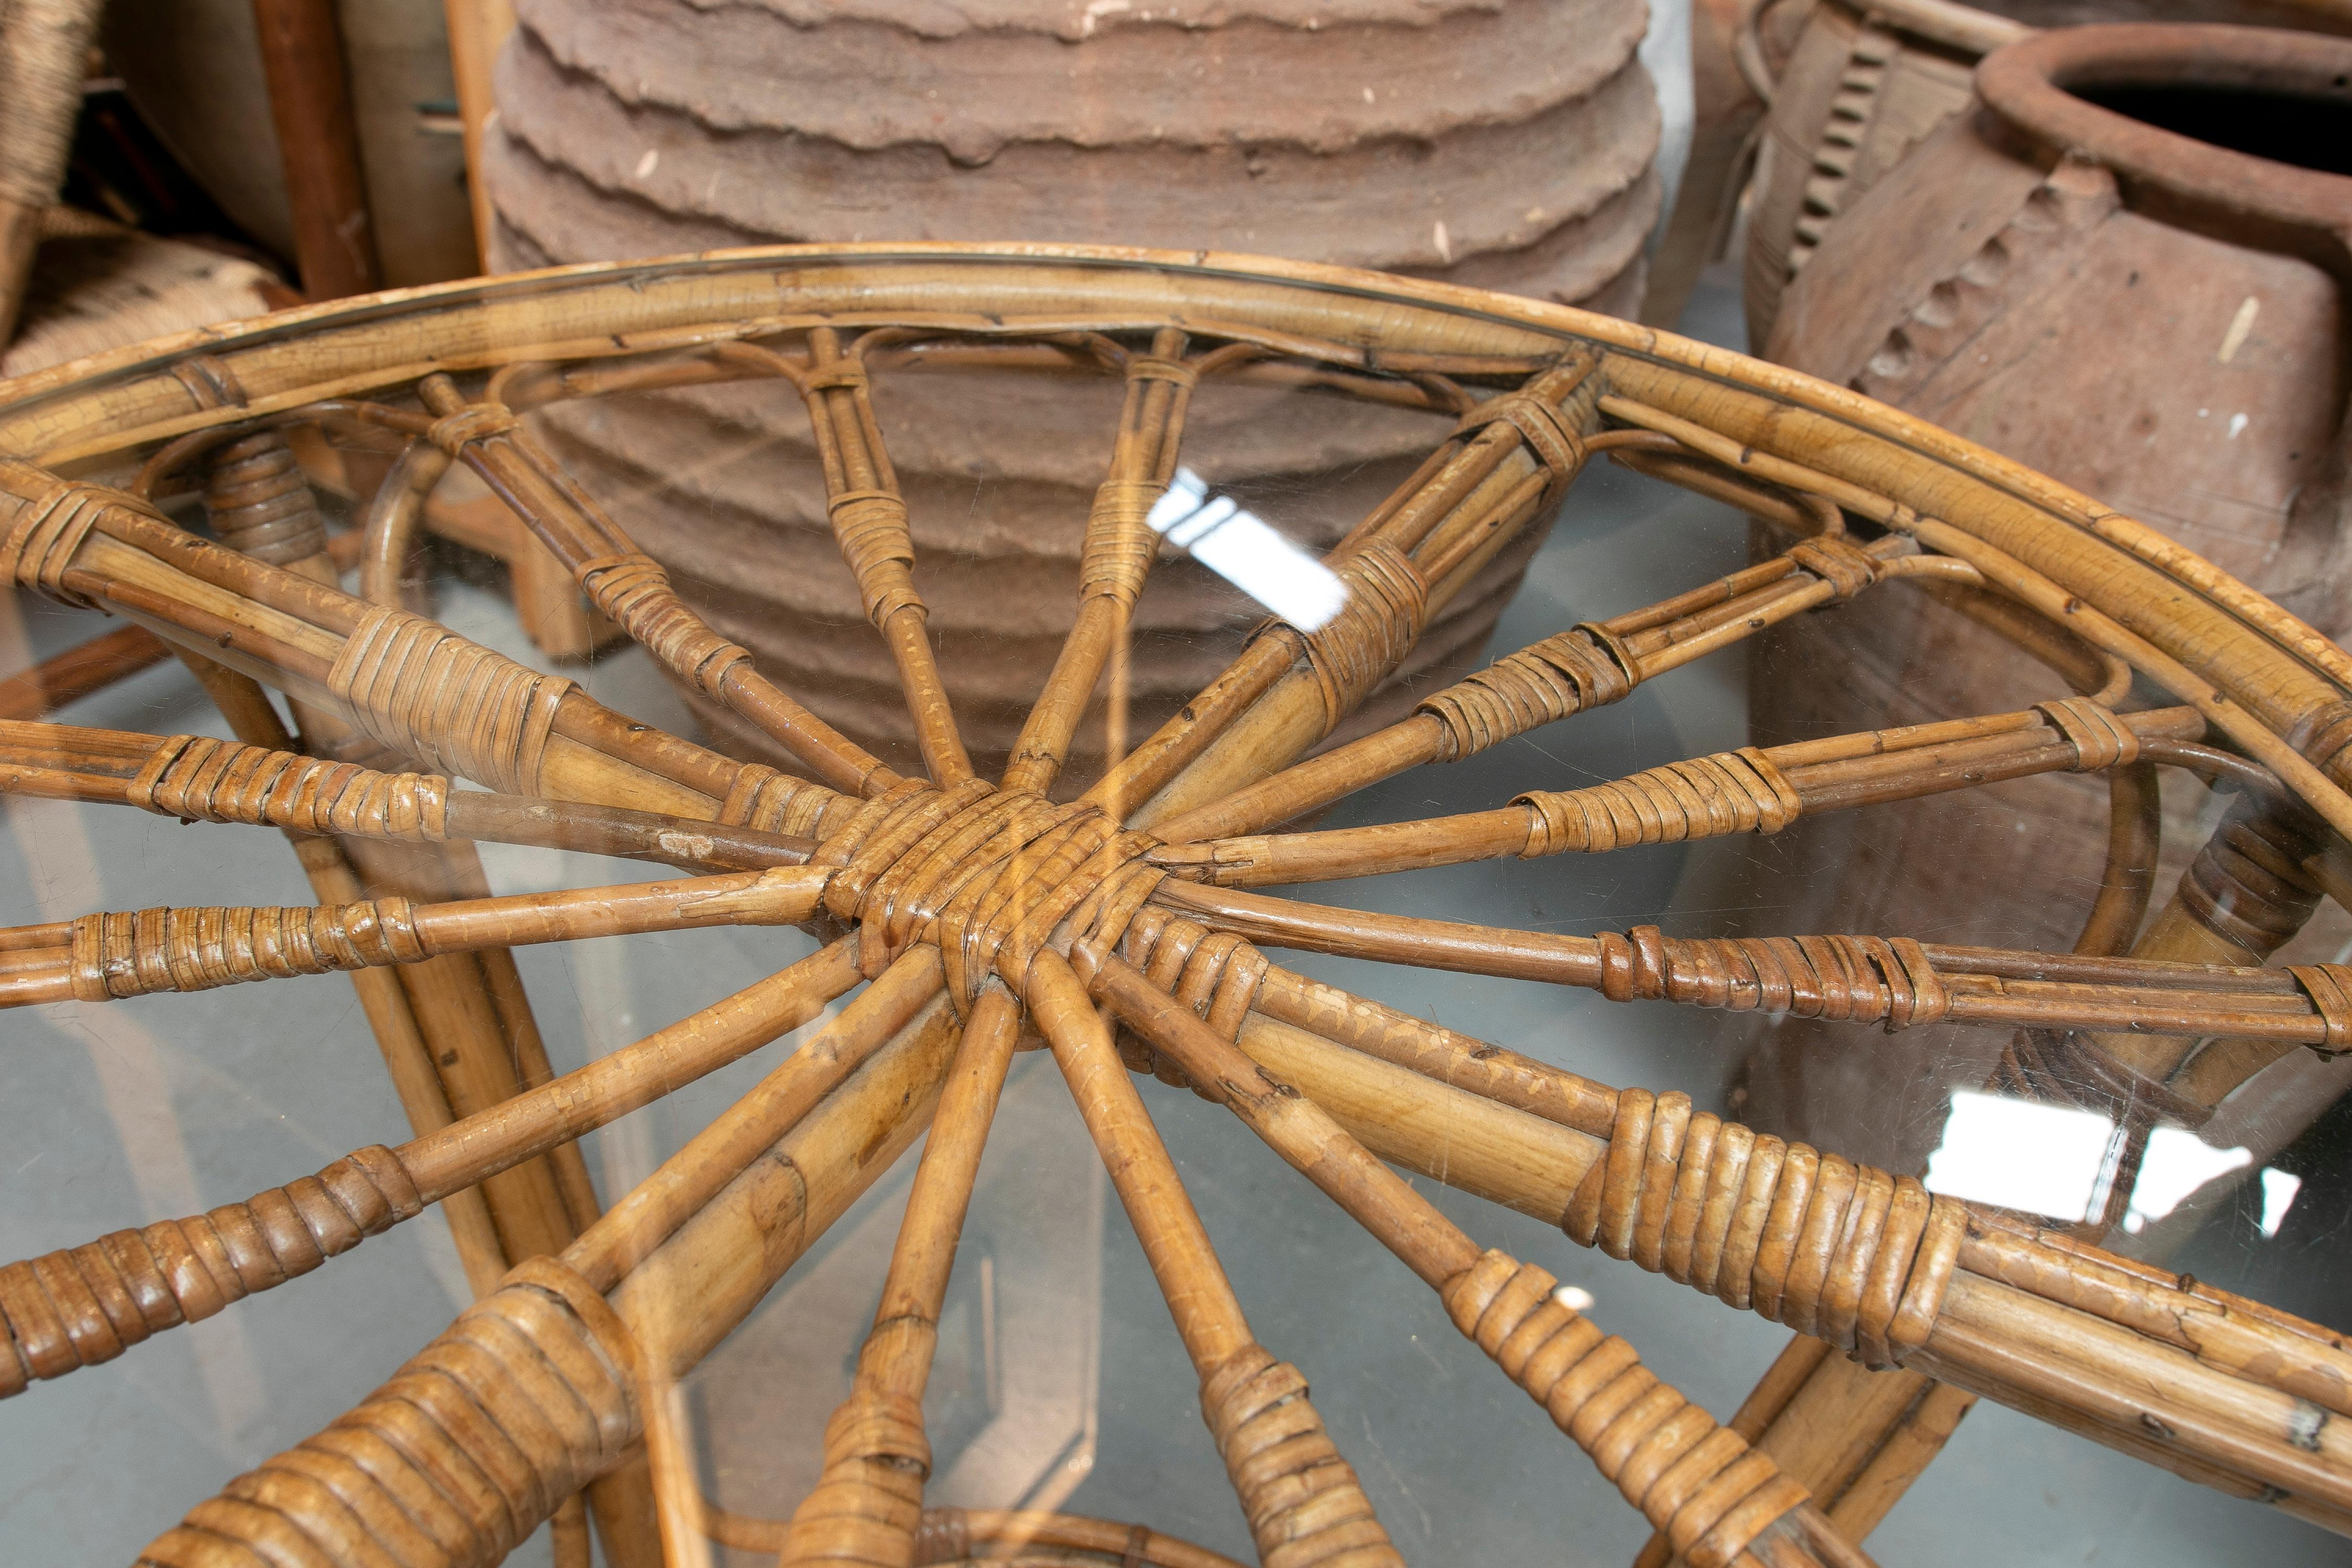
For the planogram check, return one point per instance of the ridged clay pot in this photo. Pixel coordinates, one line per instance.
(2094, 272)
(1859, 86)
(1505, 143)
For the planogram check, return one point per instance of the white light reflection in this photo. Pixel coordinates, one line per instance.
(1239, 547)
(2019, 1154)
(2060, 1162)
(2177, 1163)
(2279, 1188)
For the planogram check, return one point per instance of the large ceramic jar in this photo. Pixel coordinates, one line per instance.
(1507, 144)
(1860, 86)
(2127, 268)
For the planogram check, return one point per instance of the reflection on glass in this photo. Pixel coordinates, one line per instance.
(2177, 1163)
(2279, 1188)
(1238, 546)
(2019, 1154)
(2060, 1162)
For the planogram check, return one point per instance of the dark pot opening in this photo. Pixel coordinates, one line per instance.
(2304, 131)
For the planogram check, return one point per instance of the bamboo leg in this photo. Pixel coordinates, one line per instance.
(868, 1505)
(80, 670)
(392, 1014)
(310, 103)
(476, 29)
(1301, 1498)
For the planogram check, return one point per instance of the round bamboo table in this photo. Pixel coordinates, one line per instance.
(1121, 926)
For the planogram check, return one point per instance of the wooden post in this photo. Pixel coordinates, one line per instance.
(310, 103)
(476, 30)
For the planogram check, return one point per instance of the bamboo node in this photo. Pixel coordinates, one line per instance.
(1217, 974)
(870, 526)
(200, 779)
(1302, 1499)
(1587, 666)
(842, 373)
(531, 1388)
(1700, 1483)
(81, 1306)
(772, 801)
(1377, 626)
(135, 953)
(52, 517)
(477, 422)
(1847, 1253)
(634, 593)
(1152, 367)
(1701, 797)
(1838, 561)
(430, 694)
(1119, 542)
(2329, 986)
(2100, 739)
(1845, 979)
(868, 1505)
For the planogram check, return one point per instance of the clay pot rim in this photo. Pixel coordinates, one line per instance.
(2026, 85)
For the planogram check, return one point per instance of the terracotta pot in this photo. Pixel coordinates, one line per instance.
(1858, 87)
(1506, 145)
(2070, 276)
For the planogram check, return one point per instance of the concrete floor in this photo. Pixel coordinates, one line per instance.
(1060, 1380)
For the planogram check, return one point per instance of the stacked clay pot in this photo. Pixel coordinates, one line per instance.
(1503, 143)
(1856, 88)
(2129, 269)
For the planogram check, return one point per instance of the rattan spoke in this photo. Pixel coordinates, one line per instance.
(1120, 545)
(1746, 790)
